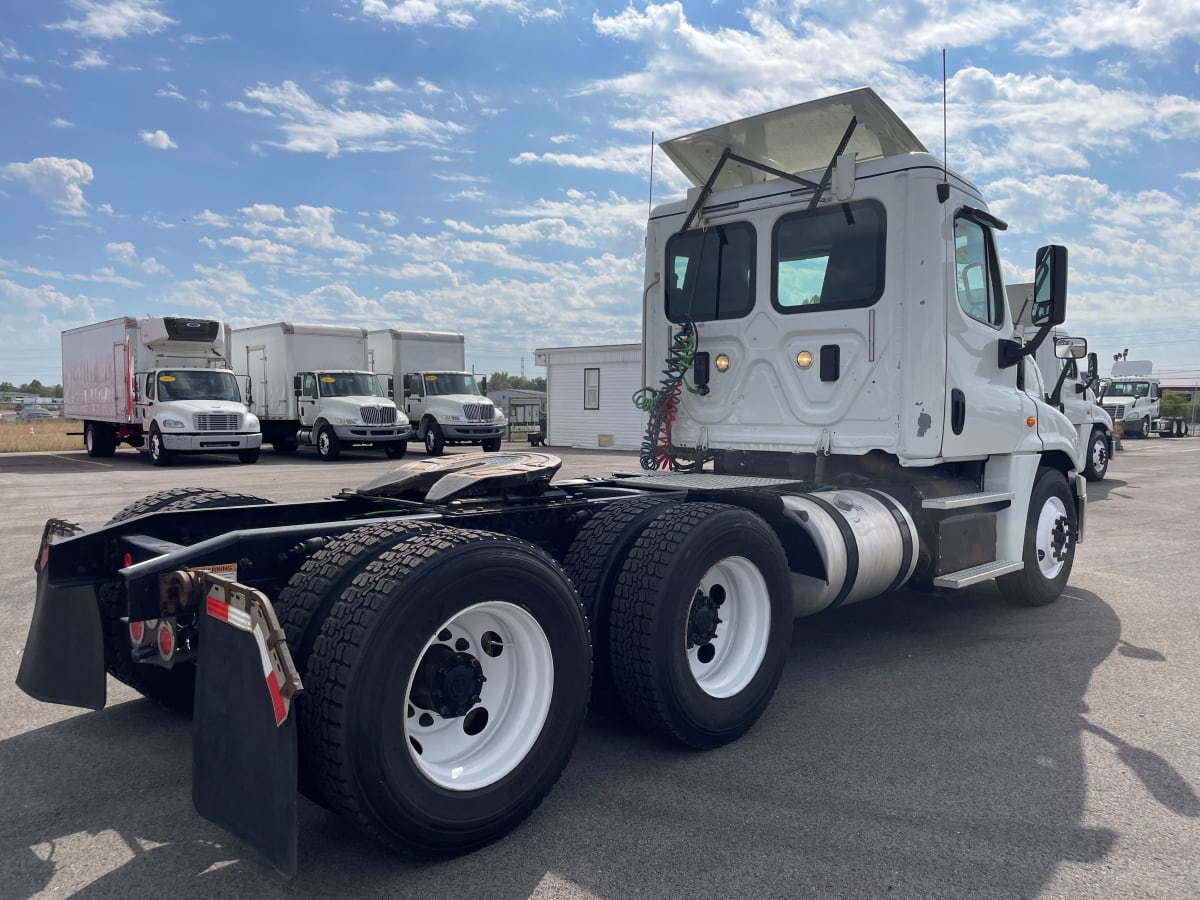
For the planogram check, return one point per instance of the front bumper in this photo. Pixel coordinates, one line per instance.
(210, 442)
(372, 434)
(470, 432)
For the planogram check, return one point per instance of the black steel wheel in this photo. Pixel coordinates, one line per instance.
(593, 564)
(700, 624)
(452, 681)
(173, 687)
(1049, 550)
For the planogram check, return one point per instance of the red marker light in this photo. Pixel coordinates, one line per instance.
(166, 641)
(137, 632)
(128, 560)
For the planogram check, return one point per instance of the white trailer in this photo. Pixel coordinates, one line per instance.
(161, 384)
(442, 400)
(311, 385)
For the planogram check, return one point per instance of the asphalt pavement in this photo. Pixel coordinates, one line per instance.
(920, 746)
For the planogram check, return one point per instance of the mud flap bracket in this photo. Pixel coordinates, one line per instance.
(244, 752)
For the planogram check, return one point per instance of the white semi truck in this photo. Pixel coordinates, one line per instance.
(834, 415)
(161, 384)
(311, 385)
(1064, 386)
(1133, 395)
(426, 370)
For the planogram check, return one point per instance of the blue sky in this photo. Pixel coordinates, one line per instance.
(483, 165)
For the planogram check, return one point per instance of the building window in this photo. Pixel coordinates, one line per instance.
(591, 388)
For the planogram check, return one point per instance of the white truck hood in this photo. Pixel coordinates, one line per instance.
(351, 407)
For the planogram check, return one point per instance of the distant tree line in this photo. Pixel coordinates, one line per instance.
(34, 388)
(502, 381)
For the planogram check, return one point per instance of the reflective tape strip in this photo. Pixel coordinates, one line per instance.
(218, 609)
(269, 673)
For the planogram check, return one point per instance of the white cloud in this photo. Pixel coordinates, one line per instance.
(1192, 175)
(208, 217)
(1148, 26)
(264, 212)
(455, 13)
(310, 127)
(115, 19)
(90, 59)
(262, 251)
(170, 92)
(158, 139)
(8, 50)
(56, 180)
(102, 276)
(125, 252)
(60, 122)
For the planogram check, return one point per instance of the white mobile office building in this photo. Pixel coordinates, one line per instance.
(589, 393)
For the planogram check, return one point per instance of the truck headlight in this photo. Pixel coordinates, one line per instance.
(336, 421)
(451, 418)
(499, 418)
(251, 422)
(172, 423)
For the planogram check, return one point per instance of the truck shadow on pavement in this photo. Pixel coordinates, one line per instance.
(919, 746)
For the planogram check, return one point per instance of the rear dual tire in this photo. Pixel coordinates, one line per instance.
(447, 687)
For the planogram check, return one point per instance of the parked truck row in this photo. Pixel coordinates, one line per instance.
(841, 405)
(171, 385)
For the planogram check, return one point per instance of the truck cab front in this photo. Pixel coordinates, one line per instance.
(449, 408)
(350, 404)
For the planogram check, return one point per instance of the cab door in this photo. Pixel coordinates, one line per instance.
(985, 411)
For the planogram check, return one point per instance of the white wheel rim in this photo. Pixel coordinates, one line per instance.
(727, 663)
(1099, 455)
(515, 699)
(1053, 538)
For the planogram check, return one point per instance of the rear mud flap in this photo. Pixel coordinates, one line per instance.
(244, 752)
(63, 661)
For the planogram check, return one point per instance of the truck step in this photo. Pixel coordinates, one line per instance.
(959, 501)
(966, 577)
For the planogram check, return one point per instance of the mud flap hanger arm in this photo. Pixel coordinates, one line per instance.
(727, 154)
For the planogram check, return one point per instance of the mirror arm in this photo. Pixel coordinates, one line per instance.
(1055, 398)
(1011, 353)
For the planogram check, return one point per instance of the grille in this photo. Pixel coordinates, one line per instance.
(1116, 410)
(378, 415)
(218, 421)
(479, 412)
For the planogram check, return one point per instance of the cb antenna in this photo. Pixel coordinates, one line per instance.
(943, 189)
(650, 202)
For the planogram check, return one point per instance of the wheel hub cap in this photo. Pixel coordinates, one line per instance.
(703, 620)
(448, 683)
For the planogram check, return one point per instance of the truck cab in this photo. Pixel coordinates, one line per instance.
(344, 406)
(1133, 396)
(191, 410)
(448, 408)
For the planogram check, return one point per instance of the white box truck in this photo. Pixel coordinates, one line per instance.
(158, 383)
(443, 401)
(834, 415)
(311, 385)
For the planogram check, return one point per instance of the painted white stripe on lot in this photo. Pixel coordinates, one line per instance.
(90, 462)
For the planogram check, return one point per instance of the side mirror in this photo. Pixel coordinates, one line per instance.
(296, 384)
(1050, 287)
(1071, 348)
(1093, 367)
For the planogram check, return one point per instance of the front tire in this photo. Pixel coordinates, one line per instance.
(1145, 427)
(159, 454)
(701, 622)
(435, 442)
(491, 445)
(395, 449)
(249, 456)
(329, 447)
(452, 683)
(1049, 550)
(1097, 456)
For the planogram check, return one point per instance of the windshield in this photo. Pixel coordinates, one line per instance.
(349, 384)
(1129, 389)
(198, 384)
(439, 384)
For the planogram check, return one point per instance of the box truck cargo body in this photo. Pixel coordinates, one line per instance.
(161, 384)
(311, 385)
(443, 402)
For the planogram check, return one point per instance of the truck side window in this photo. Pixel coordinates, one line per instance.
(976, 273)
(831, 258)
(308, 385)
(710, 273)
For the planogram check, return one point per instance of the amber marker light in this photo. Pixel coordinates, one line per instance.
(804, 359)
(1031, 421)
(721, 362)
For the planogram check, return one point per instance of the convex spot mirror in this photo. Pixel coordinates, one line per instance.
(1050, 286)
(1070, 348)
